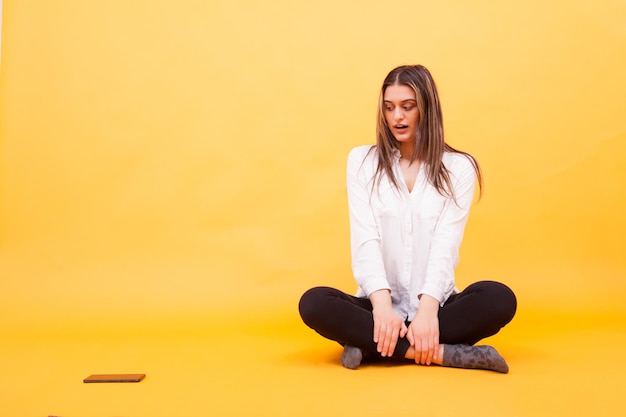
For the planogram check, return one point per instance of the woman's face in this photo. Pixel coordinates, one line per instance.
(401, 114)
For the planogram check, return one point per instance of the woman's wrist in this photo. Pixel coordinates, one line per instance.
(428, 305)
(380, 299)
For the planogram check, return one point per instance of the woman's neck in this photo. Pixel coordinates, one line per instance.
(406, 151)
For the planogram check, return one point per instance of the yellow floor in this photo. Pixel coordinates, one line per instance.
(264, 362)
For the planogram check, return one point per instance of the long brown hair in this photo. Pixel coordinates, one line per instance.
(429, 142)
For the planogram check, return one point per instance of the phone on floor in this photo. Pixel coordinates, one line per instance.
(114, 378)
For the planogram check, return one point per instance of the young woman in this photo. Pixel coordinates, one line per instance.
(409, 198)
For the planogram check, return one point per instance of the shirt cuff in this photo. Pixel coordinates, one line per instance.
(434, 291)
(372, 285)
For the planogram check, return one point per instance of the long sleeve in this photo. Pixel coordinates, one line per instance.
(448, 233)
(365, 238)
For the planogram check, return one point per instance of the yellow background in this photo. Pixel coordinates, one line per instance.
(172, 179)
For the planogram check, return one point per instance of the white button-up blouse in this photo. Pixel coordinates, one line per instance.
(407, 242)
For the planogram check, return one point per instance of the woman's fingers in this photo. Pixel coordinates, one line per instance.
(388, 335)
(376, 331)
(392, 342)
(427, 351)
(430, 352)
(388, 327)
(425, 348)
(404, 330)
(382, 340)
(389, 343)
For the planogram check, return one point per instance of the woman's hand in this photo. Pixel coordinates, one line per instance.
(388, 326)
(423, 332)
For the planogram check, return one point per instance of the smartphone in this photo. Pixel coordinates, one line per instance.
(114, 378)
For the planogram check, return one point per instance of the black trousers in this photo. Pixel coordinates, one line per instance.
(479, 311)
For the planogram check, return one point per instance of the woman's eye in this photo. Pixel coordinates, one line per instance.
(407, 108)
(388, 108)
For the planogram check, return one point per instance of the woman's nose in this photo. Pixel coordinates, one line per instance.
(398, 114)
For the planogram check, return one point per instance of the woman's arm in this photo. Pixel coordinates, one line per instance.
(423, 332)
(367, 259)
(448, 233)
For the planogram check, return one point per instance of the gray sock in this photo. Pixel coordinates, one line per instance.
(351, 357)
(474, 357)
